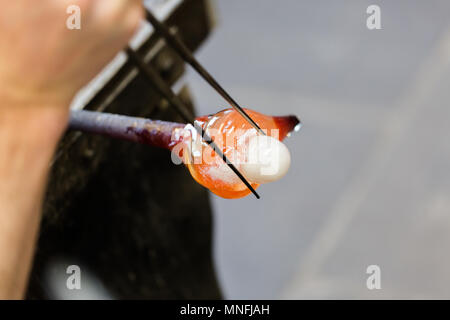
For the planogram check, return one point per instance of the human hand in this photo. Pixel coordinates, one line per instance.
(42, 65)
(42, 62)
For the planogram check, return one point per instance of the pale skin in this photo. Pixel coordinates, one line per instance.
(42, 65)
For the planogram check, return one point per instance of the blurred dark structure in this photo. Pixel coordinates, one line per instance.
(140, 224)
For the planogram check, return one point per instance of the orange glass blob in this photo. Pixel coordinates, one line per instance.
(230, 131)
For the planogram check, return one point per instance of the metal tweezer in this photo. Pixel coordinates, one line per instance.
(166, 91)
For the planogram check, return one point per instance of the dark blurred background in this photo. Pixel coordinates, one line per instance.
(370, 179)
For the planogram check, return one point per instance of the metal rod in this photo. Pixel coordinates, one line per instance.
(187, 56)
(160, 85)
(152, 132)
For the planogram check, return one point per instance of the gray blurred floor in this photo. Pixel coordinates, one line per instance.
(370, 179)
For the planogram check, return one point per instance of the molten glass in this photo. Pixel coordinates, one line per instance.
(259, 158)
(231, 133)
